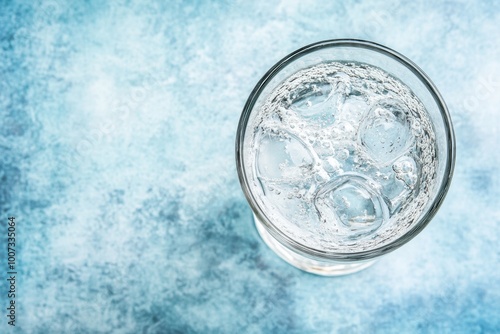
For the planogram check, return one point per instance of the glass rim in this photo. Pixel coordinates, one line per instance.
(296, 246)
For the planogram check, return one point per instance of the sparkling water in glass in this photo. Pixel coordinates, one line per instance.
(345, 150)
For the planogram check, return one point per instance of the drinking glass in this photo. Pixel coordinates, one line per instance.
(296, 249)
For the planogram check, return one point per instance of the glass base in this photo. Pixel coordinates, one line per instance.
(324, 268)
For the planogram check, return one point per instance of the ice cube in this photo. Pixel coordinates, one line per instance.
(385, 132)
(352, 204)
(312, 102)
(282, 156)
(403, 176)
(406, 171)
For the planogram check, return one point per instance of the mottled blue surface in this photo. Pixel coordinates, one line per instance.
(117, 128)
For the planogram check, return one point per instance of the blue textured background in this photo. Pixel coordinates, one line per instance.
(117, 128)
